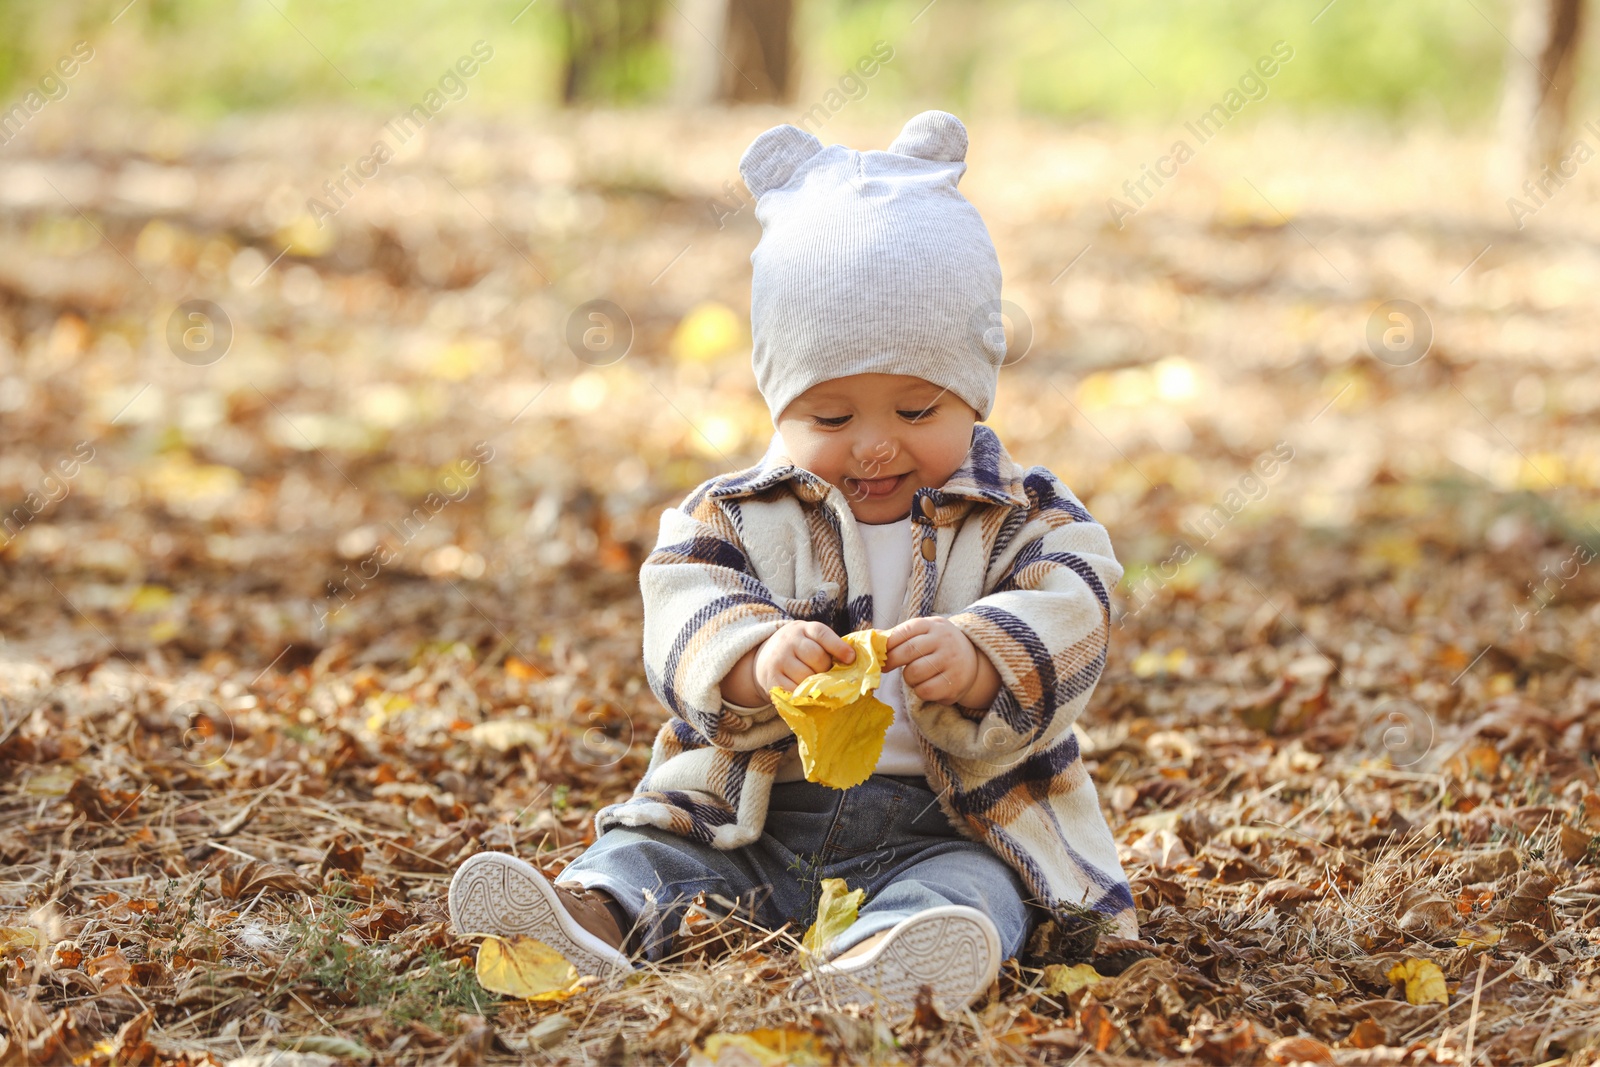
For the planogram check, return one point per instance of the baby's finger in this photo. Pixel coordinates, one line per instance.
(901, 632)
(943, 685)
(833, 644)
(923, 669)
(905, 652)
(813, 658)
(904, 632)
(788, 671)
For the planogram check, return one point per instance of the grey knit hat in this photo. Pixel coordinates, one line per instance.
(871, 262)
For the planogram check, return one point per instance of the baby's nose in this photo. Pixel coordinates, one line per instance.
(876, 453)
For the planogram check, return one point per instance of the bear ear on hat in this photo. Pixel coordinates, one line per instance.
(774, 156)
(936, 135)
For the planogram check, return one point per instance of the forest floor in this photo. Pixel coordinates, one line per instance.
(290, 625)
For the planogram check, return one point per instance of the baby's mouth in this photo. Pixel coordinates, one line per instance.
(873, 488)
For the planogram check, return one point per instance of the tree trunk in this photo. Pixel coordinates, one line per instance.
(604, 42)
(1537, 95)
(694, 34)
(759, 45)
(728, 51)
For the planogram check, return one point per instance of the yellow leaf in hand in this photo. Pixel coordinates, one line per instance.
(526, 967)
(1423, 980)
(835, 912)
(839, 724)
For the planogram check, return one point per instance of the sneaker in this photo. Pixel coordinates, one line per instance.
(497, 893)
(952, 948)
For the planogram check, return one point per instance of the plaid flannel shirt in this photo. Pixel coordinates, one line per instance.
(1008, 554)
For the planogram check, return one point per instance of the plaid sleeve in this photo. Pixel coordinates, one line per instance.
(704, 608)
(1045, 620)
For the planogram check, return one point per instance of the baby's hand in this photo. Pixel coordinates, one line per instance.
(941, 663)
(797, 651)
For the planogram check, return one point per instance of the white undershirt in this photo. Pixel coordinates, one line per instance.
(889, 567)
(889, 571)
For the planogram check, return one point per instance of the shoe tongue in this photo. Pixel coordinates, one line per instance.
(574, 889)
(593, 913)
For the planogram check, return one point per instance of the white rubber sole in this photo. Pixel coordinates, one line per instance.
(497, 893)
(952, 948)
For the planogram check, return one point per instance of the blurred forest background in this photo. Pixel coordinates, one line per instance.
(325, 495)
(1433, 59)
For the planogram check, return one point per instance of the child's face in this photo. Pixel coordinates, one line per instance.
(878, 438)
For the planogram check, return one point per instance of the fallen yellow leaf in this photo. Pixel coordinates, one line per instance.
(760, 1048)
(839, 724)
(735, 1050)
(1423, 980)
(835, 912)
(1062, 980)
(522, 966)
(19, 937)
(1148, 664)
(150, 598)
(54, 781)
(1478, 936)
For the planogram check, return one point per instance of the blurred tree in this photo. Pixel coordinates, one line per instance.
(759, 45)
(611, 48)
(1536, 97)
(731, 50)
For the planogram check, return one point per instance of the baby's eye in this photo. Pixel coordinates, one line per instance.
(838, 420)
(918, 416)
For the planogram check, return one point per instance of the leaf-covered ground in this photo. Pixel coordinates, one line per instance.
(291, 630)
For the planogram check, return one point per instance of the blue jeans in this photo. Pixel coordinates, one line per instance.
(887, 835)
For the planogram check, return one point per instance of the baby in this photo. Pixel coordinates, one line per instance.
(882, 502)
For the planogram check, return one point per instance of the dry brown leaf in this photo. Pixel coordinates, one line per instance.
(1285, 893)
(1095, 1021)
(380, 920)
(1488, 866)
(1222, 1043)
(111, 968)
(252, 876)
(1431, 920)
(1061, 1038)
(66, 954)
(925, 1017)
(99, 804)
(677, 1031)
(1158, 848)
(1368, 1033)
(1299, 1050)
(130, 1048)
(345, 853)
